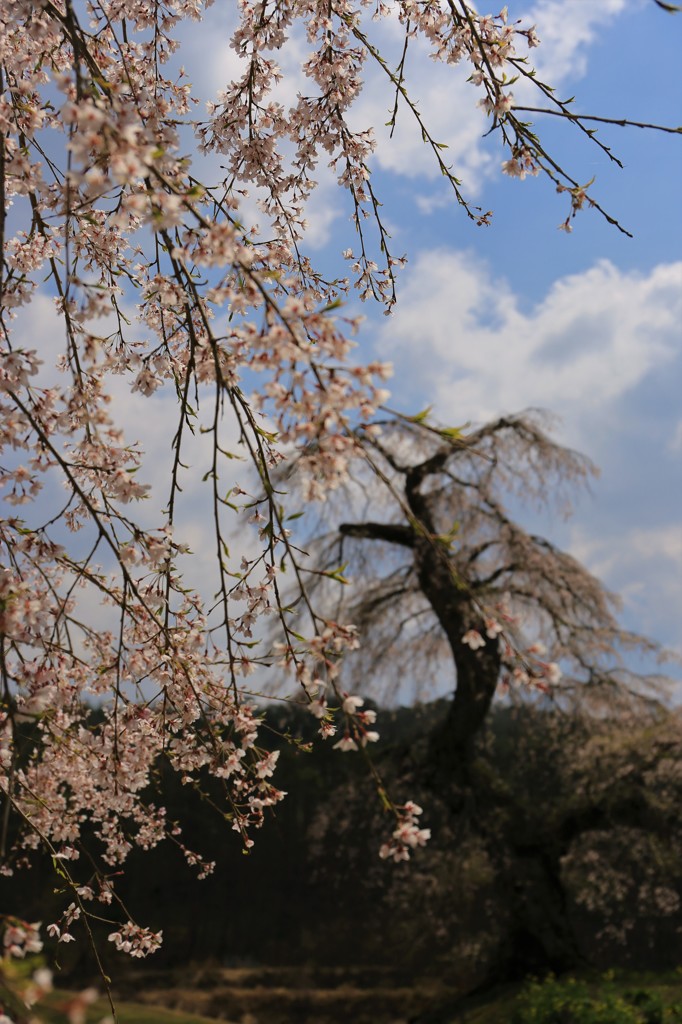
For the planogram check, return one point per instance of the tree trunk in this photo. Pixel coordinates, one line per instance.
(477, 671)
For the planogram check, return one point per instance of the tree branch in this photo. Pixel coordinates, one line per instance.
(393, 533)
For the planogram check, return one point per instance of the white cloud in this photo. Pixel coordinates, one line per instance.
(566, 31)
(644, 566)
(462, 341)
(592, 351)
(609, 557)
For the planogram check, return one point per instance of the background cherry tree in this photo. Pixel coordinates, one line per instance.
(105, 205)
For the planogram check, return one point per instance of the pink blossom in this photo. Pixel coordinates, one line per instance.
(346, 743)
(553, 673)
(473, 639)
(351, 704)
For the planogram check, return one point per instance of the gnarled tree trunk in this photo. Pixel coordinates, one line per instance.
(477, 671)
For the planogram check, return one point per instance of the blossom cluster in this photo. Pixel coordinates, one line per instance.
(20, 938)
(21, 992)
(407, 836)
(136, 941)
(523, 662)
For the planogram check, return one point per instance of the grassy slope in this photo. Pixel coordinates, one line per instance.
(127, 1013)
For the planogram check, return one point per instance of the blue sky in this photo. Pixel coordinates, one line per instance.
(493, 320)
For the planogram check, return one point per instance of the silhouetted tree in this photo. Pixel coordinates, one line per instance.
(459, 577)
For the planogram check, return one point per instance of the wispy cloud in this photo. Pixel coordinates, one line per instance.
(566, 32)
(644, 566)
(460, 338)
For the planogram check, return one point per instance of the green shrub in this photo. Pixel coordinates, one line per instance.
(568, 1001)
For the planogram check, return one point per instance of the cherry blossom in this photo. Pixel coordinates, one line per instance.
(137, 942)
(346, 743)
(473, 639)
(407, 836)
(20, 938)
(351, 704)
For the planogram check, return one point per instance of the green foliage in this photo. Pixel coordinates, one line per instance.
(572, 1001)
